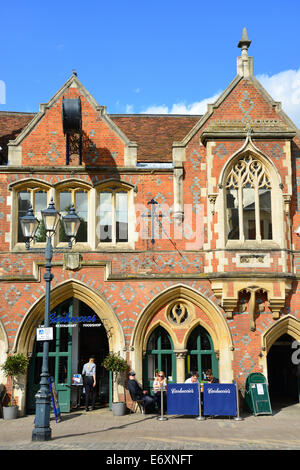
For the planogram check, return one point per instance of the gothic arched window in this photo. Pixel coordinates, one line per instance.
(248, 201)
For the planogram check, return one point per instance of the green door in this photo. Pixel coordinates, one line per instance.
(159, 356)
(201, 355)
(60, 358)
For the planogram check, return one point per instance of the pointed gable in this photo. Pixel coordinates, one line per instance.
(42, 141)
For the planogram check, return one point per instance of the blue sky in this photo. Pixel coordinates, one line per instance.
(146, 56)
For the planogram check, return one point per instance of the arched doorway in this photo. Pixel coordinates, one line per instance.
(283, 372)
(200, 353)
(71, 347)
(213, 321)
(159, 356)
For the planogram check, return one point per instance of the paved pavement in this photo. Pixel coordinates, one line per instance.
(100, 430)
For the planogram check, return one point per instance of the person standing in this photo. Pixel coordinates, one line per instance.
(89, 382)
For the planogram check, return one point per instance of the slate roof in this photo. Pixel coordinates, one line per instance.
(153, 133)
(11, 124)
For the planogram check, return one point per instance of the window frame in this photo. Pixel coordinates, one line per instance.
(115, 187)
(31, 186)
(278, 235)
(73, 189)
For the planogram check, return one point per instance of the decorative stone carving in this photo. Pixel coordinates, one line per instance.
(212, 199)
(72, 261)
(228, 294)
(178, 313)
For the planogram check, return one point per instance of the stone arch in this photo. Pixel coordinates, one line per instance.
(210, 331)
(153, 328)
(285, 325)
(221, 337)
(271, 174)
(25, 338)
(248, 148)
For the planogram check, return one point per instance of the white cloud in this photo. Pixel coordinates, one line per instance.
(285, 87)
(129, 108)
(199, 107)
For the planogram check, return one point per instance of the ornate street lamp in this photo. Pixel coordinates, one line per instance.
(29, 224)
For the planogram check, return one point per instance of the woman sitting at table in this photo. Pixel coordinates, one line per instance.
(160, 381)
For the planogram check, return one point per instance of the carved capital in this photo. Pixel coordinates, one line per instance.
(212, 199)
(180, 353)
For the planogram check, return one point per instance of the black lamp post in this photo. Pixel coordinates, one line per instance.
(29, 224)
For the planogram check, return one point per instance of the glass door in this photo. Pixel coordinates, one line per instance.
(60, 361)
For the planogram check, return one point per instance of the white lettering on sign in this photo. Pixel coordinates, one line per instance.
(181, 390)
(217, 390)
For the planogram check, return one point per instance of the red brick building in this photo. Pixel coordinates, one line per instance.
(205, 277)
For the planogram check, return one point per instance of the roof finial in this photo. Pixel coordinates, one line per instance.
(244, 63)
(74, 72)
(244, 43)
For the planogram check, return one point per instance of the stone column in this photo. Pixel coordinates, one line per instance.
(180, 364)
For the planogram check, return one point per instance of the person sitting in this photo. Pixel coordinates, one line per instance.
(160, 382)
(210, 378)
(193, 379)
(137, 393)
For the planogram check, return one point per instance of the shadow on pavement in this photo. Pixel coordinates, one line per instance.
(112, 428)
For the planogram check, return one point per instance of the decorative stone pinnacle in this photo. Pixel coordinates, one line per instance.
(244, 43)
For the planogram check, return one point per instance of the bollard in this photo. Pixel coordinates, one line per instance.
(200, 418)
(237, 417)
(162, 417)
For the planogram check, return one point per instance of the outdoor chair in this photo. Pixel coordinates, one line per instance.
(137, 404)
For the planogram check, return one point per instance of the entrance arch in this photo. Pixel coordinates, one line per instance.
(71, 348)
(218, 330)
(25, 338)
(281, 360)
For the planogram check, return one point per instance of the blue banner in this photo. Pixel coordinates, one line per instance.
(182, 399)
(219, 399)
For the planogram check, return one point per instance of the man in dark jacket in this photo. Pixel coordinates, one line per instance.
(211, 379)
(138, 394)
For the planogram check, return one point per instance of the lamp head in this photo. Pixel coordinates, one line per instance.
(29, 225)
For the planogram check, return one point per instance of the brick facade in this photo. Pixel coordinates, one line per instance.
(192, 256)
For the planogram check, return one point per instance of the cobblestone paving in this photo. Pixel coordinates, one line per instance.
(100, 430)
